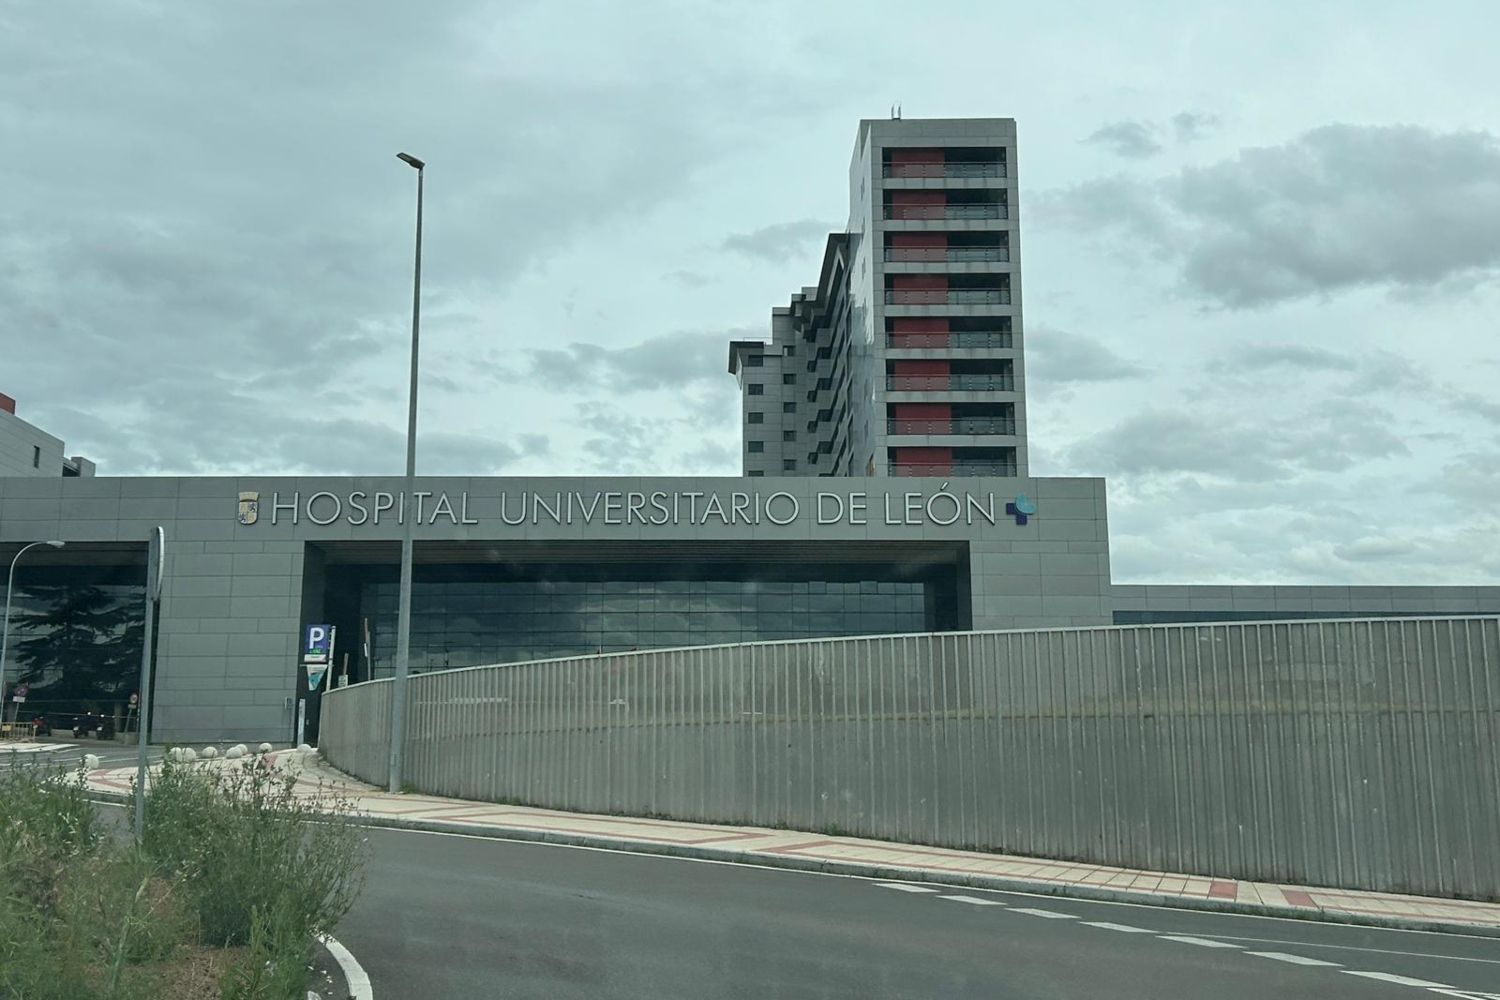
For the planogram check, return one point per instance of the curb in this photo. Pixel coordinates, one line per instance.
(896, 873)
(355, 977)
(1093, 893)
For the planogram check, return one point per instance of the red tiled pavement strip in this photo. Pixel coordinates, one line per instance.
(317, 780)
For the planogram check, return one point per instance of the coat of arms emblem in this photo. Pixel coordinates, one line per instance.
(249, 507)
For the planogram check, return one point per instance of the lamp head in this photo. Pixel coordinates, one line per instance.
(410, 160)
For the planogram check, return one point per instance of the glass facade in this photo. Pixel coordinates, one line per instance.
(465, 622)
(75, 642)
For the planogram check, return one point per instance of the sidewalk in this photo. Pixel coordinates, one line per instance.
(878, 859)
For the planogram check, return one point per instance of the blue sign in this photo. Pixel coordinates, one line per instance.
(319, 643)
(1020, 508)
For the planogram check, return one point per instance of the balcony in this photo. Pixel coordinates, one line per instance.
(951, 383)
(973, 340)
(947, 255)
(959, 170)
(955, 469)
(956, 425)
(947, 296)
(962, 211)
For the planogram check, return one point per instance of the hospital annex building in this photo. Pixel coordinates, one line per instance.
(885, 490)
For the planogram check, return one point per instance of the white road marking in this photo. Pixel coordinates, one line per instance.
(1386, 977)
(974, 900)
(1043, 913)
(1122, 928)
(1200, 942)
(1376, 951)
(1281, 956)
(902, 887)
(33, 747)
(359, 980)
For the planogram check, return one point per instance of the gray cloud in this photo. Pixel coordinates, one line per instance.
(1328, 438)
(1135, 140)
(1190, 126)
(781, 242)
(1292, 356)
(1059, 357)
(673, 360)
(1337, 208)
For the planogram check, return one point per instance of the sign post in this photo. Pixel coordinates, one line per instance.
(155, 557)
(317, 659)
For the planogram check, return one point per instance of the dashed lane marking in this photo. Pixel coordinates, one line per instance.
(1200, 942)
(1386, 977)
(1281, 956)
(901, 887)
(1122, 928)
(1050, 914)
(974, 900)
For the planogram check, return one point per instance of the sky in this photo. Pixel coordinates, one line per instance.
(1260, 245)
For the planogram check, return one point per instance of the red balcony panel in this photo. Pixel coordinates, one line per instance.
(924, 240)
(918, 155)
(919, 282)
(907, 198)
(7, 404)
(919, 331)
(938, 460)
(920, 368)
(922, 411)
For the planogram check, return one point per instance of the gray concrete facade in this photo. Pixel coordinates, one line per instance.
(27, 450)
(236, 595)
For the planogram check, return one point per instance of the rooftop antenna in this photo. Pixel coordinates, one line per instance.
(895, 112)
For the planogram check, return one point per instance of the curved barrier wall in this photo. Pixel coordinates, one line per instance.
(1344, 753)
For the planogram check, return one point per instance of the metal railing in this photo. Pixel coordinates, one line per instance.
(961, 211)
(947, 255)
(906, 470)
(1337, 753)
(993, 340)
(951, 383)
(957, 169)
(955, 425)
(947, 296)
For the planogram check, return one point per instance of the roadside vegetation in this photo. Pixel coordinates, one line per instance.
(222, 900)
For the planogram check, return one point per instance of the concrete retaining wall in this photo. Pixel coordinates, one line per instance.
(1347, 753)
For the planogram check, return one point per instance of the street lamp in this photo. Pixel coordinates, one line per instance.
(403, 617)
(10, 586)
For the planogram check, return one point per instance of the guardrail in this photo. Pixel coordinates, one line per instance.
(983, 168)
(957, 425)
(995, 340)
(957, 212)
(950, 383)
(1359, 753)
(947, 255)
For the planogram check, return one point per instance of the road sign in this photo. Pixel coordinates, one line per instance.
(319, 643)
(155, 560)
(20, 693)
(315, 672)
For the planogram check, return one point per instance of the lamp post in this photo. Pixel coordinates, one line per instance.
(10, 586)
(403, 615)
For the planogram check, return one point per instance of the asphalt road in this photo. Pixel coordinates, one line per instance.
(453, 917)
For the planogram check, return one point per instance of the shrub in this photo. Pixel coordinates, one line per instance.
(246, 849)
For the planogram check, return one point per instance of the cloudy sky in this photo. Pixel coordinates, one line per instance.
(1261, 244)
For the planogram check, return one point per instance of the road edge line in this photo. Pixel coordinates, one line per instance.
(896, 873)
(355, 976)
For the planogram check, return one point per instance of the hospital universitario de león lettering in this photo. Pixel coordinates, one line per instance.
(660, 507)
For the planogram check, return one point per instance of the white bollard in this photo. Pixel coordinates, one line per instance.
(236, 752)
(263, 748)
(209, 753)
(91, 762)
(303, 748)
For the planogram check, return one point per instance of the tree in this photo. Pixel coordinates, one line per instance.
(80, 645)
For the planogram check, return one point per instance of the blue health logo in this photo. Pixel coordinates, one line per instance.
(1020, 508)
